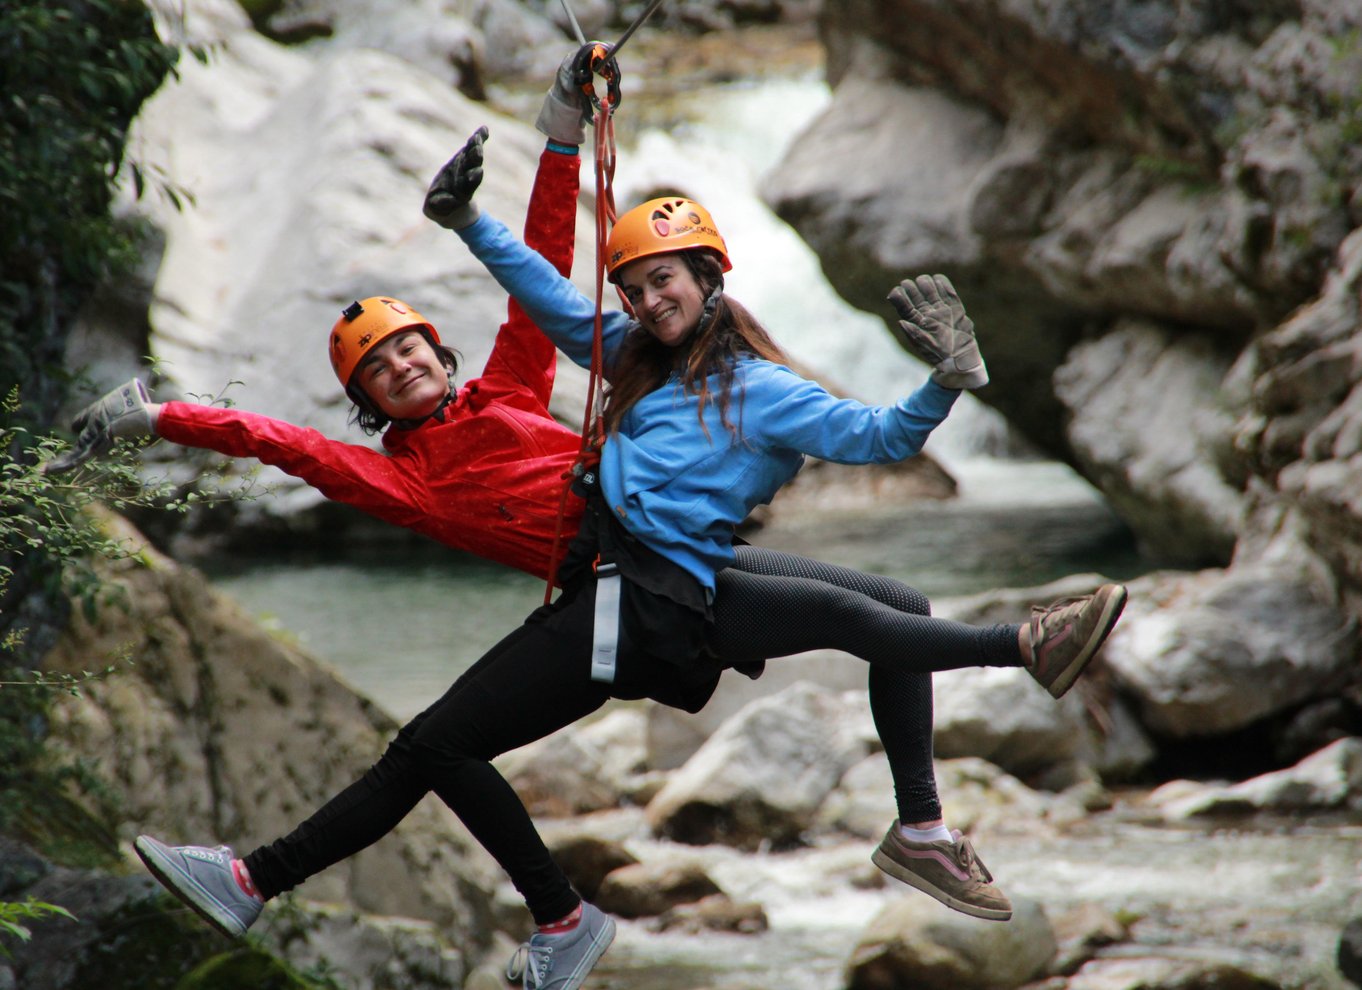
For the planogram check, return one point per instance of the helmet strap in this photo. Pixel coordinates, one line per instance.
(437, 414)
(710, 307)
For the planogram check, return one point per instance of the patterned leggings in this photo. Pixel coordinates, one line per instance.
(772, 604)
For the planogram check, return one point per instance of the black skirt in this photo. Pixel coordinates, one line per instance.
(663, 613)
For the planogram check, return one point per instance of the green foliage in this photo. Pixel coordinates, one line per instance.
(1189, 175)
(12, 914)
(73, 73)
(49, 515)
(246, 967)
(150, 942)
(56, 519)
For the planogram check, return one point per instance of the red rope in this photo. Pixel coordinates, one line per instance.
(593, 418)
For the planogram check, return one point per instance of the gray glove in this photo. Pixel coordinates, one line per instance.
(449, 200)
(124, 412)
(563, 117)
(937, 330)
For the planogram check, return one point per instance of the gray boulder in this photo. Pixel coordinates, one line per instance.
(1327, 781)
(919, 943)
(760, 779)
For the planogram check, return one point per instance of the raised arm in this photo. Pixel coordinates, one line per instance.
(522, 353)
(550, 300)
(800, 414)
(522, 357)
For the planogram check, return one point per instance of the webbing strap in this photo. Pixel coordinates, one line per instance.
(606, 635)
(593, 420)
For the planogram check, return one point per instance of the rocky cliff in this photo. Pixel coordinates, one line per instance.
(1147, 208)
(217, 731)
(1152, 211)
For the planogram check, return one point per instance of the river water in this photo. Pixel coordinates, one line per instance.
(1273, 898)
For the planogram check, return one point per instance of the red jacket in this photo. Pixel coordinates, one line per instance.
(489, 478)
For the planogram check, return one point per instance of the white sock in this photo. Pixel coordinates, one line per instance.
(939, 833)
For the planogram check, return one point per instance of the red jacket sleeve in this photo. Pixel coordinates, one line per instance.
(522, 356)
(349, 473)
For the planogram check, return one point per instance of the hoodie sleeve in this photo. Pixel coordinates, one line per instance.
(565, 315)
(795, 413)
(522, 356)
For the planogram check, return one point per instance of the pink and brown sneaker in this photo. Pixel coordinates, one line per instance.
(1067, 634)
(952, 872)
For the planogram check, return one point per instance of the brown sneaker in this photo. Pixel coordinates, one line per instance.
(949, 871)
(1066, 635)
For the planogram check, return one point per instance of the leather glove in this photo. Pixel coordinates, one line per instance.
(124, 412)
(937, 330)
(565, 114)
(449, 200)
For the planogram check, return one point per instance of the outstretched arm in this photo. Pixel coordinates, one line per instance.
(523, 353)
(793, 412)
(781, 409)
(343, 472)
(349, 473)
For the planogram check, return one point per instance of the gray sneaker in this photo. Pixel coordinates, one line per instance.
(562, 962)
(949, 871)
(202, 878)
(1067, 634)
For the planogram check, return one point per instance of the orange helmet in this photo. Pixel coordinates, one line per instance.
(660, 226)
(364, 325)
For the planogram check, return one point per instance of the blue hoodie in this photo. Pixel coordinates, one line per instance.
(681, 487)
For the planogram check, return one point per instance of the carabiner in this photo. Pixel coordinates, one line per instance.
(595, 59)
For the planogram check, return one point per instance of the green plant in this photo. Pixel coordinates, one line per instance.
(11, 914)
(53, 519)
(49, 514)
(74, 73)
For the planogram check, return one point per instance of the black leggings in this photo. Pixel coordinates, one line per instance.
(532, 683)
(536, 681)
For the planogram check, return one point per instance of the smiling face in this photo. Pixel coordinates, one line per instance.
(404, 376)
(666, 298)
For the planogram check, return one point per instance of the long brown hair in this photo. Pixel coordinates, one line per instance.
(730, 331)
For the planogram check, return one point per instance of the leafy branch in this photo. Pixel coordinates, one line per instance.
(12, 913)
(66, 683)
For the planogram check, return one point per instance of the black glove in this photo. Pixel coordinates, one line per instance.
(124, 412)
(449, 200)
(933, 320)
